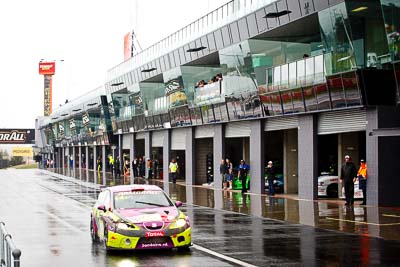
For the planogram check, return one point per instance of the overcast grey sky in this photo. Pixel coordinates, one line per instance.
(86, 34)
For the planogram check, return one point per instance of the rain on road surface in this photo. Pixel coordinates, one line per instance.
(48, 218)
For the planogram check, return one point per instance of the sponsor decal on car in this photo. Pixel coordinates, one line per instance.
(156, 245)
(154, 234)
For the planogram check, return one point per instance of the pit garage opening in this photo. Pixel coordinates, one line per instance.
(178, 145)
(340, 133)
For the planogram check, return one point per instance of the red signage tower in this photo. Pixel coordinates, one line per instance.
(47, 69)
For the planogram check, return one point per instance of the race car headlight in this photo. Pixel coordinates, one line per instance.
(122, 226)
(179, 223)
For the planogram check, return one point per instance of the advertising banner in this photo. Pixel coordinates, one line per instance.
(127, 46)
(175, 92)
(47, 68)
(61, 129)
(85, 119)
(21, 152)
(72, 124)
(48, 91)
(54, 128)
(17, 136)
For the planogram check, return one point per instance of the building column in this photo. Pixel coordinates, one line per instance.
(54, 157)
(166, 154)
(147, 151)
(218, 153)
(257, 180)
(73, 161)
(95, 163)
(104, 157)
(59, 161)
(308, 153)
(51, 154)
(68, 155)
(121, 160)
(132, 156)
(80, 156)
(382, 156)
(87, 161)
(190, 157)
(63, 159)
(290, 161)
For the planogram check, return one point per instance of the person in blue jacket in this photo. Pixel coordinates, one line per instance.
(243, 171)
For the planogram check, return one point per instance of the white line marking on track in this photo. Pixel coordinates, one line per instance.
(369, 223)
(221, 256)
(391, 215)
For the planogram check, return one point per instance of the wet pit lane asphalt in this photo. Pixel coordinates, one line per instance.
(48, 219)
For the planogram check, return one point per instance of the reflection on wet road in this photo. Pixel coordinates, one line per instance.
(48, 218)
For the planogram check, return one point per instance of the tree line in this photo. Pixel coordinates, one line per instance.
(6, 161)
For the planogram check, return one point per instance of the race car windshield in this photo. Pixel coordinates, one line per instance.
(141, 200)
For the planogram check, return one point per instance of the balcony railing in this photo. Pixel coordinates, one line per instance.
(221, 16)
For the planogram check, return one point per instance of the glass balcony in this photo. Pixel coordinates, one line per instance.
(305, 85)
(221, 16)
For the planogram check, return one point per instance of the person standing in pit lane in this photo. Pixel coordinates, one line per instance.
(229, 172)
(348, 176)
(271, 178)
(173, 169)
(362, 180)
(243, 171)
(222, 173)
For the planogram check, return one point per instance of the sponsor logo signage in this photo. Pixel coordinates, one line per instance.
(48, 91)
(47, 68)
(72, 124)
(17, 136)
(155, 245)
(61, 129)
(154, 234)
(85, 119)
(22, 152)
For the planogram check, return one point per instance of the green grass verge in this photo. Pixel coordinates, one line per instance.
(26, 166)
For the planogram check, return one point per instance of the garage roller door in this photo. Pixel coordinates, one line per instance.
(140, 136)
(206, 131)
(238, 129)
(178, 139)
(281, 123)
(126, 141)
(157, 139)
(342, 121)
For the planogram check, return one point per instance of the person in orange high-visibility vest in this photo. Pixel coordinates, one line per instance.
(362, 180)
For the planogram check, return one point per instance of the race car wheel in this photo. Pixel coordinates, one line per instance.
(105, 240)
(332, 191)
(95, 238)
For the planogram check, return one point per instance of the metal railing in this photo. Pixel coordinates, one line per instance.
(9, 254)
(223, 15)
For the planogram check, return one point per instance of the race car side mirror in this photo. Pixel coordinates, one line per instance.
(178, 204)
(102, 208)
